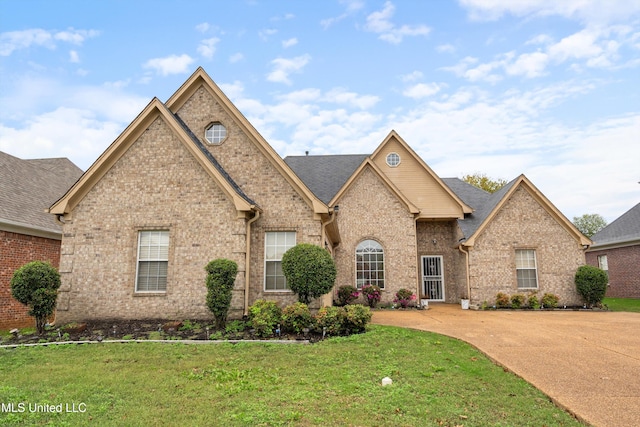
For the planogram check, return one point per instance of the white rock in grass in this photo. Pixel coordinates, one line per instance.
(386, 381)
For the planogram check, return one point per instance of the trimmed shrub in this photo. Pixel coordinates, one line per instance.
(533, 302)
(296, 317)
(517, 300)
(356, 318)
(221, 274)
(331, 318)
(550, 300)
(591, 284)
(310, 271)
(264, 316)
(404, 297)
(36, 285)
(372, 295)
(502, 300)
(347, 294)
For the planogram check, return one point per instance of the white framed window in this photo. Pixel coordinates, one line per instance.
(276, 243)
(153, 261)
(526, 269)
(393, 159)
(215, 133)
(369, 264)
(603, 264)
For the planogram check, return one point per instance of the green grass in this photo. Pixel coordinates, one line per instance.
(623, 304)
(437, 381)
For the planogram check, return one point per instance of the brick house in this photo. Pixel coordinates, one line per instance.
(27, 232)
(191, 180)
(616, 249)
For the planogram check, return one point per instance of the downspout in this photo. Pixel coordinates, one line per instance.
(333, 213)
(467, 270)
(247, 261)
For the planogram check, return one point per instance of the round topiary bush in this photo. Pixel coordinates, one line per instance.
(35, 285)
(310, 271)
(221, 275)
(591, 284)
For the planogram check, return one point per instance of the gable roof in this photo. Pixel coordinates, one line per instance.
(27, 189)
(113, 153)
(623, 231)
(368, 163)
(201, 79)
(325, 175)
(473, 225)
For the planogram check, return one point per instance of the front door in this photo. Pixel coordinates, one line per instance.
(432, 278)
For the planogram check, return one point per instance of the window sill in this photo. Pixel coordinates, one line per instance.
(149, 294)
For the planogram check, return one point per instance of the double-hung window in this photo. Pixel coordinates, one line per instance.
(276, 243)
(153, 260)
(526, 269)
(603, 264)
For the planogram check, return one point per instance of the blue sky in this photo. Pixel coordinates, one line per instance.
(547, 88)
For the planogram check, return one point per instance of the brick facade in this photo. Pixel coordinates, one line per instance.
(15, 251)
(624, 270)
(369, 210)
(523, 223)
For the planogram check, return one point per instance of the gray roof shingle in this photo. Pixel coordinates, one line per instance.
(29, 187)
(624, 229)
(325, 175)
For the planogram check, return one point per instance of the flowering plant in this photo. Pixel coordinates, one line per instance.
(404, 297)
(371, 294)
(347, 294)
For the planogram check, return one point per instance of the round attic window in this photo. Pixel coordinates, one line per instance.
(393, 159)
(215, 133)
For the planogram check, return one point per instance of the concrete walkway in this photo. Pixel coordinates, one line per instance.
(587, 362)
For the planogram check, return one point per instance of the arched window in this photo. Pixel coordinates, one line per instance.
(369, 264)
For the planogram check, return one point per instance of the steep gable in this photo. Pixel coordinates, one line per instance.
(474, 225)
(116, 150)
(417, 181)
(199, 102)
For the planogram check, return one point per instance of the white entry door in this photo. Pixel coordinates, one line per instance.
(432, 278)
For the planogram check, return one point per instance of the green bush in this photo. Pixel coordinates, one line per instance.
(310, 271)
(264, 316)
(35, 285)
(502, 300)
(404, 297)
(347, 294)
(356, 318)
(221, 274)
(331, 318)
(372, 295)
(533, 302)
(591, 284)
(550, 300)
(517, 300)
(296, 317)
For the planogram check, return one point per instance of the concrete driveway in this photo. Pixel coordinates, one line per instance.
(587, 362)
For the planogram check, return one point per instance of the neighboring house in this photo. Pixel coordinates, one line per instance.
(27, 231)
(616, 249)
(191, 180)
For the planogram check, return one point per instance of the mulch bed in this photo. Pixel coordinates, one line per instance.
(150, 329)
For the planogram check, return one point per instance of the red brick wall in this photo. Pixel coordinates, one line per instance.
(15, 251)
(624, 270)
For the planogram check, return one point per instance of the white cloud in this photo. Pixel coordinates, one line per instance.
(446, 48)
(343, 96)
(207, 47)
(411, 77)
(283, 67)
(265, 34)
(380, 22)
(529, 65)
(422, 90)
(172, 64)
(587, 11)
(15, 40)
(203, 28)
(351, 7)
(236, 57)
(289, 42)
(74, 57)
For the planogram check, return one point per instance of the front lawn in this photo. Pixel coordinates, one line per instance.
(437, 381)
(623, 304)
